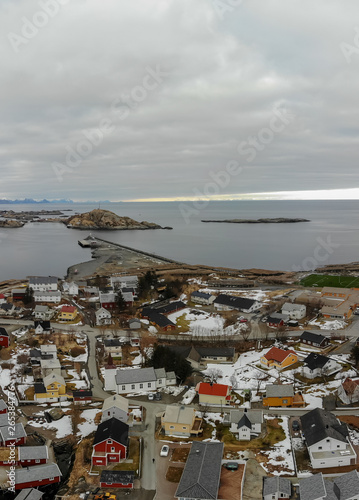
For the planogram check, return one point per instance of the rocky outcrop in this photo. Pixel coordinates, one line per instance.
(11, 223)
(104, 219)
(277, 220)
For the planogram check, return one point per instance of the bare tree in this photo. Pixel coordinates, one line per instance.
(246, 331)
(214, 374)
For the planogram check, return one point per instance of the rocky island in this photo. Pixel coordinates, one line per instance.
(11, 223)
(104, 219)
(277, 220)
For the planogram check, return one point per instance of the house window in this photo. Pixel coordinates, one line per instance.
(37, 461)
(141, 386)
(172, 426)
(51, 478)
(320, 447)
(123, 387)
(132, 386)
(184, 428)
(328, 440)
(112, 449)
(149, 384)
(284, 401)
(159, 381)
(109, 441)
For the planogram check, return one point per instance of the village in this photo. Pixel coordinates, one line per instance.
(170, 382)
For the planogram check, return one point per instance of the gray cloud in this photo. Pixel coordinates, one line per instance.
(224, 77)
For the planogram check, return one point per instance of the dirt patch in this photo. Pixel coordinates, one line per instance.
(180, 455)
(350, 420)
(174, 474)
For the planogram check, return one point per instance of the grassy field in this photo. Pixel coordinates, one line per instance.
(321, 280)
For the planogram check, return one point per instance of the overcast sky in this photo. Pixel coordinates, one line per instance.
(222, 97)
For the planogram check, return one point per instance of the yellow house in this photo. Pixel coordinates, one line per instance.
(213, 394)
(279, 358)
(68, 313)
(53, 388)
(181, 420)
(282, 395)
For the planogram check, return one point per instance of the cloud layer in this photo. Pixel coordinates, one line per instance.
(150, 99)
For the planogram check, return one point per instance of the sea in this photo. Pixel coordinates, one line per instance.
(331, 236)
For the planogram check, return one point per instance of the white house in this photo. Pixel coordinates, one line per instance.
(43, 283)
(202, 298)
(294, 311)
(229, 303)
(49, 366)
(43, 312)
(47, 296)
(317, 487)
(103, 317)
(115, 406)
(134, 323)
(125, 281)
(327, 440)
(113, 347)
(277, 488)
(71, 288)
(317, 365)
(246, 424)
(49, 349)
(138, 380)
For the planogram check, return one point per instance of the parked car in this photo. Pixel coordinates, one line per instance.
(150, 396)
(164, 451)
(231, 466)
(158, 396)
(243, 320)
(295, 425)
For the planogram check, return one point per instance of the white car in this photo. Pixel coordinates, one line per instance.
(150, 396)
(164, 451)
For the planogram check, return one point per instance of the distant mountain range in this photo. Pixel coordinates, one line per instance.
(27, 201)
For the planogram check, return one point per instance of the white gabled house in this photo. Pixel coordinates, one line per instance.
(294, 311)
(43, 312)
(246, 424)
(317, 365)
(43, 283)
(202, 298)
(137, 379)
(277, 488)
(115, 406)
(103, 317)
(327, 440)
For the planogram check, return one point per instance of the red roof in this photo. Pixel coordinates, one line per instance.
(2, 296)
(213, 389)
(276, 354)
(68, 309)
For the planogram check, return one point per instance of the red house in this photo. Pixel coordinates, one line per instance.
(117, 479)
(33, 455)
(40, 475)
(3, 407)
(110, 443)
(82, 396)
(10, 437)
(4, 338)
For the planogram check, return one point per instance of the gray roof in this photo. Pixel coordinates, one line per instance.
(279, 391)
(40, 308)
(254, 416)
(33, 452)
(132, 376)
(46, 293)
(36, 473)
(29, 494)
(244, 422)
(42, 280)
(170, 375)
(288, 306)
(201, 295)
(19, 432)
(3, 405)
(347, 484)
(115, 401)
(272, 485)
(201, 475)
(312, 488)
(160, 373)
(319, 424)
(4, 419)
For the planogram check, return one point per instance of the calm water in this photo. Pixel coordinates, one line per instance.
(39, 248)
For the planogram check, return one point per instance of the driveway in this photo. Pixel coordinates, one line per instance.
(165, 489)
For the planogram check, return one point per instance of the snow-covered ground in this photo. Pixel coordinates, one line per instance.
(85, 428)
(173, 390)
(203, 323)
(63, 427)
(188, 396)
(324, 324)
(280, 455)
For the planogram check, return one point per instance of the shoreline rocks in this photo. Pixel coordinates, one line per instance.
(104, 219)
(278, 220)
